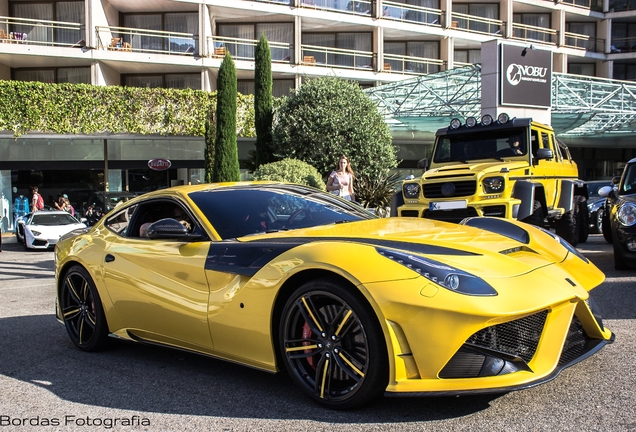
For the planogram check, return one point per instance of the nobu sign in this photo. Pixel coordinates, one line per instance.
(525, 77)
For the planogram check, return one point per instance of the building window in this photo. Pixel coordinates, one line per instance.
(584, 29)
(280, 87)
(40, 31)
(467, 56)
(534, 20)
(624, 71)
(73, 75)
(587, 69)
(183, 22)
(282, 33)
(418, 49)
(623, 37)
(362, 42)
(176, 81)
(481, 10)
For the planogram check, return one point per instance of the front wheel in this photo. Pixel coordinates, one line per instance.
(82, 310)
(332, 345)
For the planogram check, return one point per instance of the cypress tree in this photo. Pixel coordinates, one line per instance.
(226, 164)
(263, 102)
(209, 146)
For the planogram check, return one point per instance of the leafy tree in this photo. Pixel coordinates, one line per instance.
(292, 171)
(263, 102)
(209, 146)
(226, 164)
(327, 117)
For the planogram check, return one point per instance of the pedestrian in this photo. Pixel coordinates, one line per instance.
(37, 202)
(340, 181)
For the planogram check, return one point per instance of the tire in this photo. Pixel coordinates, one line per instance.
(598, 221)
(82, 310)
(619, 262)
(536, 218)
(345, 363)
(607, 227)
(396, 201)
(584, 218)
(568, 226)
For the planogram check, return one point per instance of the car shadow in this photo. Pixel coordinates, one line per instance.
(150, 379)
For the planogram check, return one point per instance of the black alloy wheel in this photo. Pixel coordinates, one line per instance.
(332, 345)
(82, 310)
(598, 222)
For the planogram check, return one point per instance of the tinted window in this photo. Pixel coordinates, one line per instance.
(480, 144)
(241, 211)
(119, 222)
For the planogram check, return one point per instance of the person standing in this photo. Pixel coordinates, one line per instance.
(340, 181)
(37, 202)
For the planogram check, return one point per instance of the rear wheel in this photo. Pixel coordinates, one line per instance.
(568, 226)
(584, 218)
(82, 310)
(332, 345)
(598, 221)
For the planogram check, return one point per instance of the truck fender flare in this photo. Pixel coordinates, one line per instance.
(528, 192)
(570, 188)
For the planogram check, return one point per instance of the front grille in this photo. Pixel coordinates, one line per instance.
(462, 188)
(575, 344)
(518, 338)
(455, 216)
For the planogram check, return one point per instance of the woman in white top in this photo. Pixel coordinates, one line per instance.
(340, 181)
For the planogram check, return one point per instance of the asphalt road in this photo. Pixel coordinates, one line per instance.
(45, 380)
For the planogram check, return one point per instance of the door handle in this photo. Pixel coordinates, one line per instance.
(109, 258)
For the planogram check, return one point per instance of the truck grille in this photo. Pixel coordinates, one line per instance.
(462, 188)
(455, 216)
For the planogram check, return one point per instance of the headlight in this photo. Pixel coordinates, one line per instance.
(444, 275)
(36, 233)
(627, 214)
(494, 184)
(411, 190)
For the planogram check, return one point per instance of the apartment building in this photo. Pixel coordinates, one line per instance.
(181, 43)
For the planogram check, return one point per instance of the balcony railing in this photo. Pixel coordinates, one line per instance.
(146, 41)
(243, 49)
(595, 5)
(411, 65)
(41, 32)
(355, 7)
(623, 45)
(584, 42)
(533, 33)
(476, 24)
(410, 13)
(314, 55)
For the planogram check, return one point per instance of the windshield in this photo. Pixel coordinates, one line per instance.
(54, 219)
(485, 144)
(628, 182)
(240, 211)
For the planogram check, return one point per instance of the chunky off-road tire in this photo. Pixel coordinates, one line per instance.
(536, 218)
(607, 228)
(584, 218)
(568, 226)
(82, 310)
(332, 345)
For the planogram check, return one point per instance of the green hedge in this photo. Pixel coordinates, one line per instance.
(292, 171)
(88, 109)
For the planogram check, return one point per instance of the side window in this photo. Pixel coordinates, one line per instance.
(534, 138)
(120, 221)
(152, 211)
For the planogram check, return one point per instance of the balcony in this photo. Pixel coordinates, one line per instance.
(475, 24)
(623, 45)
(354, 7)
(595, 5)
(314, 55)
(146, 41)
(41, 32)
(622, 5)
(411, 65)
(531, 33)
(243, 49)
(411, 13)
(584, 42)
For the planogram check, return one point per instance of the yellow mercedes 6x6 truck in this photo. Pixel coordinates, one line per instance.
(508, 168)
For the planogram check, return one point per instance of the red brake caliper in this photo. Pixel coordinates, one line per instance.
(306, 335)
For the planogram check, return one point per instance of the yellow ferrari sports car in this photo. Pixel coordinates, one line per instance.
(285, 277)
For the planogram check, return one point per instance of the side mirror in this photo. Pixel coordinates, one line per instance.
(544, 153)
(605, 191)
(170, 229)
(422, 163)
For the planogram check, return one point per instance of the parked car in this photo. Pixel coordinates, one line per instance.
(621, 217)
(286, 277)
(43, 229)
(596, 204)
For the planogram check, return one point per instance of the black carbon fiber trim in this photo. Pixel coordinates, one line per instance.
(246, 258)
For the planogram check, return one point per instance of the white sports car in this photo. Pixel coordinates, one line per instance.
(42, 230)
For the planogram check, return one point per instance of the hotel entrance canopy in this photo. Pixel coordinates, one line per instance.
(581, 106)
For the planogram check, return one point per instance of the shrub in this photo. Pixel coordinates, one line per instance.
(292, 171)
(376, 192)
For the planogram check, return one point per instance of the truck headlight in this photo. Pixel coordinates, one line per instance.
(627, 214)
(411, 190)
(494, 184)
